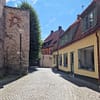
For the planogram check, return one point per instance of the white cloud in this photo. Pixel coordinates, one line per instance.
(15, 5)
(34, 1)
(30, 1)
(51, 21)
(71, 12)
(7, 0)
(10, 0)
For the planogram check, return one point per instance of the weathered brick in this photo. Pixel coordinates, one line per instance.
(16, 23)
(2, 2)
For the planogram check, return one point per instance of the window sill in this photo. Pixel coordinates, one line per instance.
(88, 29)
(65, 66)
(91, 70)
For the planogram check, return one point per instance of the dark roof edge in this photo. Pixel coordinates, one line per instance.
(94, 1)
(92, 32)
(47, 47)
(72, 25)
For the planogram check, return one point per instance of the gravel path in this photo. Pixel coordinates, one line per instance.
(43, 84)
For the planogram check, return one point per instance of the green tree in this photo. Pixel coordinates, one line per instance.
(35, 36)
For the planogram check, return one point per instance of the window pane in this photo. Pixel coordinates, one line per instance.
(65, 57)
(89, 20)
(86, 58)
(60, 60)
(54, 59)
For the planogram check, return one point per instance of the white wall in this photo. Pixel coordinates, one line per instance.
(46, 61)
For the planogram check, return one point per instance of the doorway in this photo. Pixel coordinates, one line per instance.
(72, 62)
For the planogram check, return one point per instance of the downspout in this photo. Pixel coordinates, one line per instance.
(58, 54)
(58, 51)
(98, 54)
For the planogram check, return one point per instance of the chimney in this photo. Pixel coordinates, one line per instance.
(78, 17)
(60, 28)
(52, 32)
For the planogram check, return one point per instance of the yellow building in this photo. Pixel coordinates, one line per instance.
(79, 47)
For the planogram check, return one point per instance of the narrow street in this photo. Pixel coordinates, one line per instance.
(43, 84)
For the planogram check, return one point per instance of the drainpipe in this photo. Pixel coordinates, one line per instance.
(58, 56)
(59, 28)
(98, 54)
(57, 64)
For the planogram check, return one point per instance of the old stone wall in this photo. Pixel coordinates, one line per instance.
(16, 39)
(2, 2)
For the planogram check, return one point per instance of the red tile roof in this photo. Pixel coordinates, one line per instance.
(71, 27)
(53, 37)
(78, 34)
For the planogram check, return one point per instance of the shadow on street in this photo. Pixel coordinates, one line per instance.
(32, 69)
(77, 80)
(11, 78)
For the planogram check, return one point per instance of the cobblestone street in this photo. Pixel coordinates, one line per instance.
(43, 84)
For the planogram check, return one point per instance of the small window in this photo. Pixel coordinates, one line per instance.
(54, 59)
(60, 59)
(89, 20)
(65, 57)
(86, 20)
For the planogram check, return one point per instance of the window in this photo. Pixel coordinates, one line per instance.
(86, 58)
(43, 57)
(50, 51)
(86, 24)
(65, 57)
(54, 59)
(89, 20)
(60, 59)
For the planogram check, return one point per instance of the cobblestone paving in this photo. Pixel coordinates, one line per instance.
(45, 85)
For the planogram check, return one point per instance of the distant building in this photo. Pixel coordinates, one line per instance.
(14, 39)
(50, 43)
(79, 46)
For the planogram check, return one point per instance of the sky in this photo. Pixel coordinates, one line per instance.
(54, 13)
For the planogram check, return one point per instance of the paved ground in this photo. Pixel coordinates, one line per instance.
(43, 84)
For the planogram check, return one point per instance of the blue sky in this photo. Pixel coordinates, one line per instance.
(54, 13)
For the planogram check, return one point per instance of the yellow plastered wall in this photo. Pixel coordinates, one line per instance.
(83, 43)
(99, 40)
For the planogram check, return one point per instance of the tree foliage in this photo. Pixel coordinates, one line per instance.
(35, 36)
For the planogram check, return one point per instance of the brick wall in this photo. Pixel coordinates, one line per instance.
(2, 2)
(16, 23)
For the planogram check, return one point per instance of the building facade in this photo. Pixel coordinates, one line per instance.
(49, 44)
(79, 47)
(14, 54)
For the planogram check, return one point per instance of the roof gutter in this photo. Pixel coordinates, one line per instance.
(98, 51)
